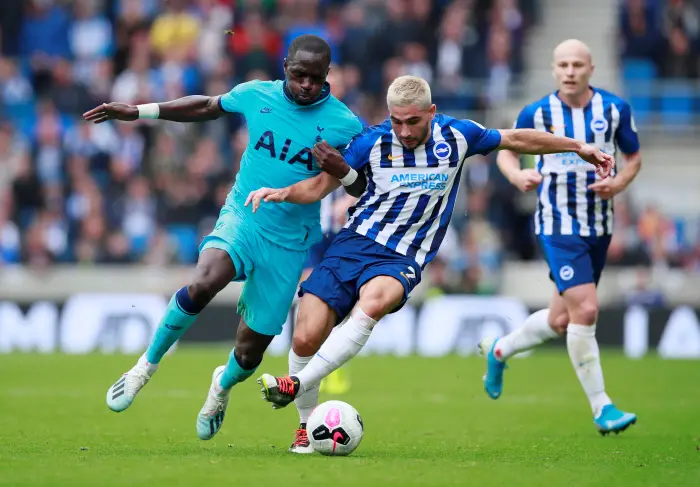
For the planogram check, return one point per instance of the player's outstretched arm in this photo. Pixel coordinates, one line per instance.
(194, 108)
(302, 193)
(531, 141)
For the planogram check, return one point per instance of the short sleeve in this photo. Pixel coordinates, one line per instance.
(526, 119)
(357, 152)
(237, 100)
(351, 129)
(354, 155)
(480, 140)
(626, 135)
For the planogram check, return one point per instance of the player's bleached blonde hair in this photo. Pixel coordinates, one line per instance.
(409, 90)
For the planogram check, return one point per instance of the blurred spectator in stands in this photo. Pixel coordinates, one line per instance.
(69, 96)
(681, 25)
(659, 236)
(90, 39)
(355, 42)
(214, 16)
(13, 156)
(100, 85)
(499, 65)
(117, 249)
(302, 17)
(175, 30)
(458, 51)
(626, 246)
(10, 243)
(415, 57)
(161, 250)
(256, 45)
(640, 31)
(135, 84)
(44, 39)
(506, 15)
(136, 214)
(91, 238)
(48, 135)
(16, 95)
(27, 193)
(11, 25)
(482, 256)
(681, 59)
(35, 253)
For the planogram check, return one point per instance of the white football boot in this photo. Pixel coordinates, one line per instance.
(211, 416)
(123, 392)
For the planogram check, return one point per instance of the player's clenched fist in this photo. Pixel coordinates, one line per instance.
(112, 111)
(268, 195)
(606, 188)
(527, 180)
(330, 160)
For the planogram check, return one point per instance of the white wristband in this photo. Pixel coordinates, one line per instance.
(349, 178)
(149, 110)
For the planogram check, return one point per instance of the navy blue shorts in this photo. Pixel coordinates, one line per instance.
(351, 261)
(574, 260)
(317, 252)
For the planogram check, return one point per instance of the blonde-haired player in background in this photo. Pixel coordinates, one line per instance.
(573, 222)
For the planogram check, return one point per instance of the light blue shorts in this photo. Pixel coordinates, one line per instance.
(271, 272)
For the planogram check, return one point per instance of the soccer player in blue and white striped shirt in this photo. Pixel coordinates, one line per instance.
(573, 222)
(413, 164)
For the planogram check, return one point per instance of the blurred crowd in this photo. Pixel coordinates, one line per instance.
(146, 192)
(665, 32)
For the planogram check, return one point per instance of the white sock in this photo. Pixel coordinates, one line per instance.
(341, 346)
(307, 400)
(585, 356)
(534, 331)
(150, 368)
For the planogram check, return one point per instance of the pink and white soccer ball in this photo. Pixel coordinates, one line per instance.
(335, 428)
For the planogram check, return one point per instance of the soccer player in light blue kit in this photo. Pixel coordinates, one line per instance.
(413, 164)
(266, 250)
(573, 223)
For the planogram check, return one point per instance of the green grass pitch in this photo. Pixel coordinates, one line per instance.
(428, 422)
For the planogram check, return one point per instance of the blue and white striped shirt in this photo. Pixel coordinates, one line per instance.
(566, 206)
(411, 194)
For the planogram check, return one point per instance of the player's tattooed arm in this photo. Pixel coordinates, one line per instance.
(194, 108)
(531, 141)
(332, 162)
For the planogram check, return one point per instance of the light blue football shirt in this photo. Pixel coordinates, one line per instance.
(278, 154)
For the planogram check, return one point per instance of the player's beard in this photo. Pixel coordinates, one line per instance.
(420, 139)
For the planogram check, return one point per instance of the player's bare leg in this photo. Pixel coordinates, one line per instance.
(582, 304)
(539, 327)
(213, 272)
(243, 360)
(378, 297)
